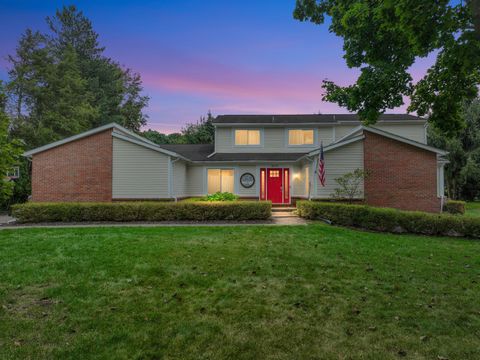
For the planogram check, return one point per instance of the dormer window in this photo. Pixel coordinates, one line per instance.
(301, 137)
(247, 137)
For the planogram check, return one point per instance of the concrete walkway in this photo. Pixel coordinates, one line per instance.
(274, 221)
(5, 219)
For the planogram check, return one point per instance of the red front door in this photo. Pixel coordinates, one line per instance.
(278, 185)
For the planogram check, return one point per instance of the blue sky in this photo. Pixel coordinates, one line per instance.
(225, 56)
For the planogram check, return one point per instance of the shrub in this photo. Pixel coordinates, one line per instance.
(221, 196)
(349, 185)
(141, 211)
(454, 207)
(390, 220)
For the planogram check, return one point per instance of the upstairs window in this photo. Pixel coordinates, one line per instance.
(247, 137)
(300, 137)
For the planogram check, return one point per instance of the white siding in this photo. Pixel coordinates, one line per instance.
(195, 180)
(338, 162)
(275, 139)
(250, 192)
(138, 172)
(342, 130)
(414, 132)
(180, 178)
(297, 180)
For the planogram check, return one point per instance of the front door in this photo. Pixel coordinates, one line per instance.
(277, 189)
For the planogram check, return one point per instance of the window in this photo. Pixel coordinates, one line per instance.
(300, 137)
(274, 173)
(14, 173)
(247, 137)
(220, 180)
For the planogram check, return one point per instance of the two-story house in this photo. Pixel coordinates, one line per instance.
(262, 157)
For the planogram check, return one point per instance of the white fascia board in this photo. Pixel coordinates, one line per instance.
(336, 145)
(253, 125)
(132, 137)
(131, 133)
(344, 122)
(213, 162)
(351, 133)
(148, 146)
(69, 139)
(404, 140)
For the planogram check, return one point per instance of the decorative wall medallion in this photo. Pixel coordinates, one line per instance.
(247, 180)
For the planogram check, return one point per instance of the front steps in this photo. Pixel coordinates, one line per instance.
(283, 212)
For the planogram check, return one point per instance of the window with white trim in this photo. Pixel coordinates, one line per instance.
(220, 180)
(14, 173)
(301, 137)
(247, 137)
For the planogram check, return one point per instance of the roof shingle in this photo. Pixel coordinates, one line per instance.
(306, 118)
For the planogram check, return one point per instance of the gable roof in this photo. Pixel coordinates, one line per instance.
(357, 134)
(308, 119)
(194, 152)
(118, 131)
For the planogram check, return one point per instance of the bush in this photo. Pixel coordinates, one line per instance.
(454, 207)
(390, 220)
(141, 211)
(221, 196)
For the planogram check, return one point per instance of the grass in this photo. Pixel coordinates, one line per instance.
(473, 208)
(237, 293)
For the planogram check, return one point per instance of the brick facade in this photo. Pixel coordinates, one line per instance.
(399, 175)
(80, 170)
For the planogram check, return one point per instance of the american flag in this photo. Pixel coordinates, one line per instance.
(321, 166)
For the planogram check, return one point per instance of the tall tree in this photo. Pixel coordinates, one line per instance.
(117, 91)
(462, 173)
(61, 83)
(10, 151)
(384, 38)
(201, 132)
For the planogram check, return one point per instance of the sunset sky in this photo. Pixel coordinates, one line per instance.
(231, 57)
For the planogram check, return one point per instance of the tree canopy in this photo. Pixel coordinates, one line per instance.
(384, 38)
(201, 132)
(462, 173)
(61, 83)
(10, 151)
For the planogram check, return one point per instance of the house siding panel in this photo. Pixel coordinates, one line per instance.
(297, 176)
(80, 170)
(275, 139)
(138, 172)
(244, 192)
(180, 178)
(400, 175)
(414, 132)
(195, 180)
(338, 162)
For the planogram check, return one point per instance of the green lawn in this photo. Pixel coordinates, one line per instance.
(473, 209)
(237, 293)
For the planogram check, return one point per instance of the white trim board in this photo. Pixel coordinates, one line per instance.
(127, 136)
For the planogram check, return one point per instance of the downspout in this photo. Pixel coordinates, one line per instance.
(172, 186)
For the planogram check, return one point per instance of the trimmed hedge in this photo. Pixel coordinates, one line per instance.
(141, 211)
(454, 207)
(390, 220)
